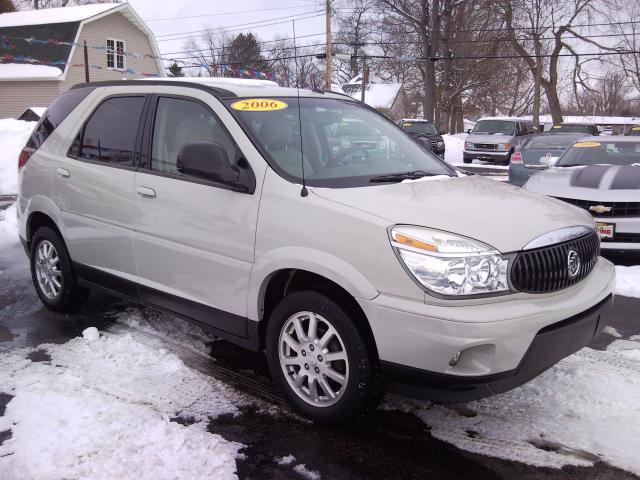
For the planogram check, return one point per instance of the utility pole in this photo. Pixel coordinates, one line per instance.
(365, 77)
(329, 45)
(86, 62)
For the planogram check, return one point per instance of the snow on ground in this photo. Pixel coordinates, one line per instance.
(168, 328)
(628, 281)
(453, 147)
(102, 409)
(13, 137)
(8, 226)
(584, 409)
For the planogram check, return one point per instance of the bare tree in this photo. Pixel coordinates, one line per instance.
(539, 30)
(207, 52)
(421, 21)
(629, 40)
(353, 31)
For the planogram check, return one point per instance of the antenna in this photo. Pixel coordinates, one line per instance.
(304, 192)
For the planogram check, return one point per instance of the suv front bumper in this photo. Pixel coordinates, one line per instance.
(502, 344)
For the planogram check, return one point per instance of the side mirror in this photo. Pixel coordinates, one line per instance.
(442, 132)
(549, 161)
(469, 131)
(207, 161)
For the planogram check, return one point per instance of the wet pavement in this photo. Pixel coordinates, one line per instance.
(388, 445)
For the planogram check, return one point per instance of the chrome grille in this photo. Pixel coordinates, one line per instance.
(545, 269)
(485, 146)
(618, 209)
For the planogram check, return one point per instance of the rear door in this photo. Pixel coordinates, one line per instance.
(94, 185)
(194, 239)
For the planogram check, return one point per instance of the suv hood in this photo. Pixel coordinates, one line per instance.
(486, 138)
(615, 183)
(500, 215)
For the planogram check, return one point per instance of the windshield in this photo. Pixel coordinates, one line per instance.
(502, 127)
(571, 128)
(550, 142)
(425, 128)
(345, 144)
(589, 152)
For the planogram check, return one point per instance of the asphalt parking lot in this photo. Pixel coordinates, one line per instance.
(391, 444)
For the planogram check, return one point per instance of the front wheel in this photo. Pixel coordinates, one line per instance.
(467, 160)
(321, 360)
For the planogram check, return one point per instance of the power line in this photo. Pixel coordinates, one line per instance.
(220, 14)
(243, 29)
(259, 42)
(504, 29)
(288, 17)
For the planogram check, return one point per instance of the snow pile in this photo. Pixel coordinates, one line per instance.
(13, 137)
(8, 227)
(170, 329)
(301, 469)
(102, 410)
(628, 281)
(27, 70)
(454, 145)
(54, 15)
(583, 410)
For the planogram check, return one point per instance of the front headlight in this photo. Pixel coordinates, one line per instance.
(449, 264)
(440, 144)
(504, 146)
(468, 145)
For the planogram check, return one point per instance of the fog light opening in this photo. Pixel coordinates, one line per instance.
(454, 360)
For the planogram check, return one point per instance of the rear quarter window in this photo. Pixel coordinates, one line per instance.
(57, 111)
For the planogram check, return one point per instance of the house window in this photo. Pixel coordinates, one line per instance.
(116, 54)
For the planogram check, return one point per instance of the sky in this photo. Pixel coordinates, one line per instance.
(166, 18)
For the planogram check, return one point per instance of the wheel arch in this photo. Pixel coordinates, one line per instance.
(287, 280)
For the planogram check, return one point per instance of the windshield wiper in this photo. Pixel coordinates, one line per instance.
(398, 177)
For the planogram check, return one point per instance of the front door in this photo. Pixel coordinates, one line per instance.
(194, 239)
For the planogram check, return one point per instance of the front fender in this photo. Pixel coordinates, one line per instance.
(302, 258)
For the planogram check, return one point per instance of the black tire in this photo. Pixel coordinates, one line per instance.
(467, 160)
(70, 296)
(363, 389)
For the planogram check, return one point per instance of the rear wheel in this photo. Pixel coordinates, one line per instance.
(321, 360)
(52, 273)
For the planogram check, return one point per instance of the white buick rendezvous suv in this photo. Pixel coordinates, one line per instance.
(355, 262)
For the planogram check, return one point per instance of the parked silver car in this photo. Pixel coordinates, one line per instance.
(233, 205)
(493, 139)
(602, 177)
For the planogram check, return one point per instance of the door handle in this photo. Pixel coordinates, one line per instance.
(146, 192)
(63, 172)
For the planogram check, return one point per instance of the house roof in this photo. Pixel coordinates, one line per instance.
(54, 15)
(376, 95)
(63, 25)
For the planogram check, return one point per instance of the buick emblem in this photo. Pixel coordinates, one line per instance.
(573, 263)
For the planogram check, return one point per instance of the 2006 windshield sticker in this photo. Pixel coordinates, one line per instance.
(587, 144)
(258, 105)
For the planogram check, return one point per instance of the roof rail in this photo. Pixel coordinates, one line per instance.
(215, 91)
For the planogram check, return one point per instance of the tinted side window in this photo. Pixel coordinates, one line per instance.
(179, 122)
(59, 109)
(110, 133)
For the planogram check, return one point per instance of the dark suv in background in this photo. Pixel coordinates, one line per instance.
(425, 133)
